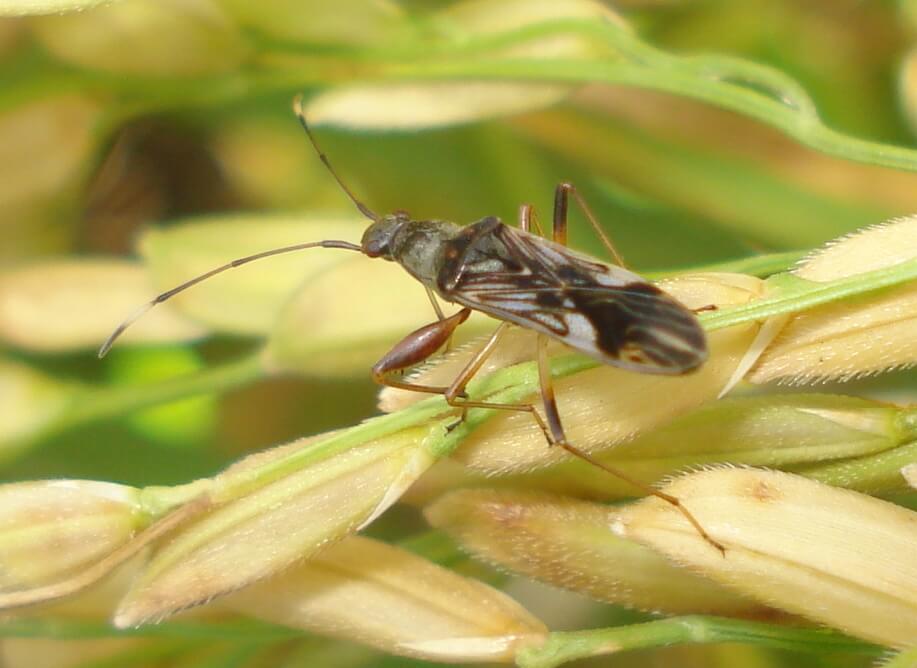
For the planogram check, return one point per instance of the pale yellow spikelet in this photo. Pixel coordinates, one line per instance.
(425, 105)
(367, 591)
(838, 557)
(37, 7)
(52, 529)
(151, 37)
(356, 22)
(29, 402)
(874, 247)
(568, 543)
(772, 430)
(492, 17)
(247, 299)
(429, 105)
(43, 149)
(852, 337)
(260, 528)
(63, 305)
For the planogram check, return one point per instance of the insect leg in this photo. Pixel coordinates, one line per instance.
(414, 349)
(454, 393)
(560, 439)
(457, 388)
(440, 315)
(435, 304)
(528, 219)
(561, 196)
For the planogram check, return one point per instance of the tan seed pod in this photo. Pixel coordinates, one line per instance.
(835, 556)
(367, 591)
(247, 299)
(568, 543)
(53, 529)
(151, 37)
(64, 305)
(771, 430)
(854, 337)
(38, 7)
(260, 528)
(30, 401)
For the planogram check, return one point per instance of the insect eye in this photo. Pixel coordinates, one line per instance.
(374, 247)
(376, 242)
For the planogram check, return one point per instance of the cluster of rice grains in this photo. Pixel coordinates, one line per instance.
(272, 537)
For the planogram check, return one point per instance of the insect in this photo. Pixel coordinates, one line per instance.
(521, 279)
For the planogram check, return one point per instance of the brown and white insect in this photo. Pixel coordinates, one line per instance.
(521, 279)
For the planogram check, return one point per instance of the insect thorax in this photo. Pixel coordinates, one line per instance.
(418, 246)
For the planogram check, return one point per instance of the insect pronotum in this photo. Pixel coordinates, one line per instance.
(521, 279)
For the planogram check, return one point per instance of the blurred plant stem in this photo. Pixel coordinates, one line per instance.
(568, 646)
(560, 647)
(757, 91)
(108, 402)
(755, 265)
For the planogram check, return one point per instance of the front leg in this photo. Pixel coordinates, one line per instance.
(415, 348)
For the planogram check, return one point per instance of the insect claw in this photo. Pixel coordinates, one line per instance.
(708, 307)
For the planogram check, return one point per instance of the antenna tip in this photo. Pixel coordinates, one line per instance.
(110, 341)
(297, 105)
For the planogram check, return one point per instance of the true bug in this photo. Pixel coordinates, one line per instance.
(522, 279)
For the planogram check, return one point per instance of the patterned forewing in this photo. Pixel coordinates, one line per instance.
(603, 311)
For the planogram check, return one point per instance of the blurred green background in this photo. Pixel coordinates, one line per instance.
(144, 113)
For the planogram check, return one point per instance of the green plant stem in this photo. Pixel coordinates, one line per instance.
(748, 88)
(109, 402)
(756, 265)
(791, 294)
(875, 473)
(559, 648)
(62, 628)
(568, 646)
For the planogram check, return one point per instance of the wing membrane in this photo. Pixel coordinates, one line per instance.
(603, 311)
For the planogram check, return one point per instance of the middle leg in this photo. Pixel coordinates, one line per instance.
(558, 437)
(561, 197)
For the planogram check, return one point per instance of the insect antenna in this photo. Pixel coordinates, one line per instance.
(365, 210)
(168, 294)
(301, 115)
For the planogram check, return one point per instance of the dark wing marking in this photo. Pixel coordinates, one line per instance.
(603, 311)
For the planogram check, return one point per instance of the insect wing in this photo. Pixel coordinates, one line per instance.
(603, 311)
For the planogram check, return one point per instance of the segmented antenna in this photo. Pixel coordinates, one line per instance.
(346, 245)
(301, 115)
(168, 294)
